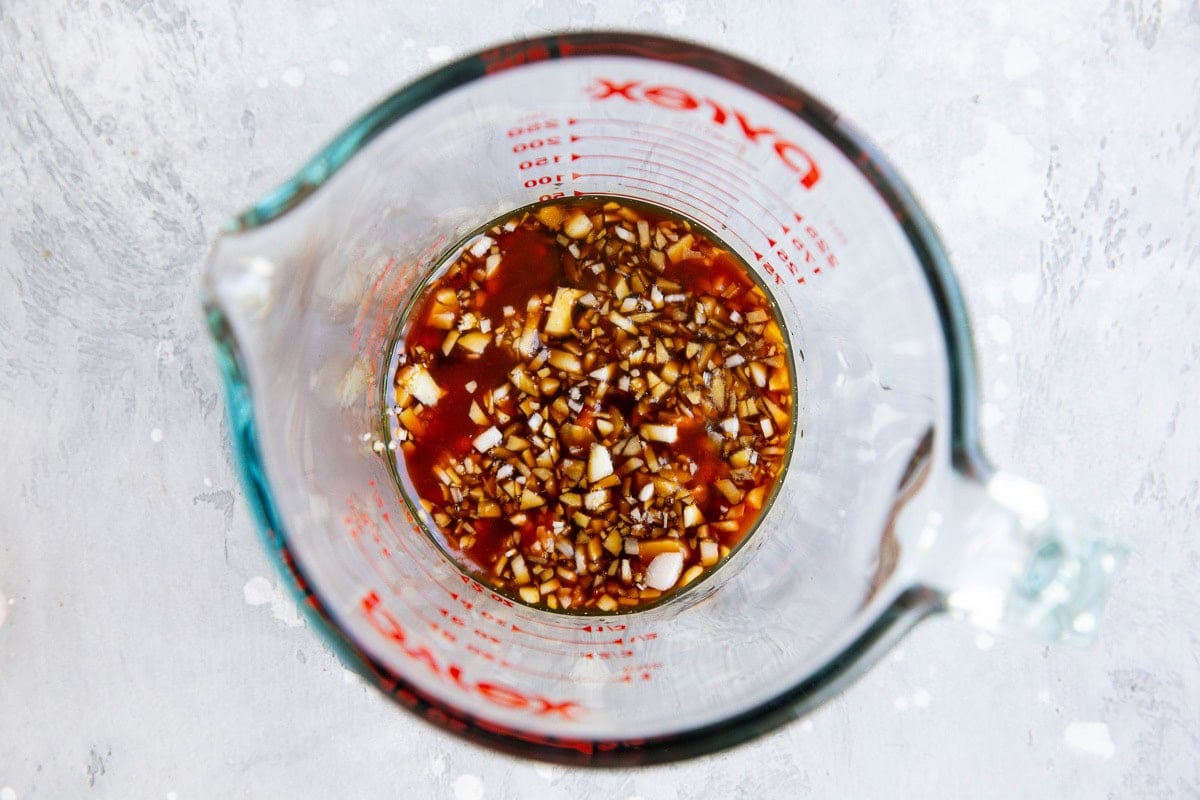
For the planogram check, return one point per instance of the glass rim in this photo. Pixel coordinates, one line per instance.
(904, 611)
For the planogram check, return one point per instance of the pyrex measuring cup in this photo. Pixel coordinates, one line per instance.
(887, 510)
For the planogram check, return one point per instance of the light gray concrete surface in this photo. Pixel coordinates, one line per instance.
(146, 649)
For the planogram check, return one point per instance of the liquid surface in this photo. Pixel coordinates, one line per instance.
(593, 403)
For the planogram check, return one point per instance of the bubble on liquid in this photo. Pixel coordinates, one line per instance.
(468, 787)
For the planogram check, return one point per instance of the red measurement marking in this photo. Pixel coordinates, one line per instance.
(606, 656)
(696, 157)
(452, 674)
(707, 143)
(752, 186)
(514, 628)
(649, 156)
(732, 171)
(688, 173)
(395, 577)
(673, 187)
(672, 98)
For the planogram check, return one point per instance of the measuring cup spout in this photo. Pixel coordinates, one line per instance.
(1020, 563)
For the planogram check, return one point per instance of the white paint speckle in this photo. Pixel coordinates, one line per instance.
(900, 703)
(807, 726)
(165, 351)
(327, 18)
(172, 796)
(1084, 622)
(928, 537)
(999, 389)
(437, 764)
(674, 14)
(339, 67)
(4, 604)
(1019, 60)
(438, 54)
(999, 329)
(468, 787)
(156, 435)
(259, 591)
(1043, 697)
(921, 698)
(990, 415)
(985, 641)
(993, 292)
(897, 654)
(1004, 174)
(351, 677)
(1034, 97)
(1024, 287)
(207, 482)
(8, 793)
(293, 76)
(262, 82)
(1089, 737)
(548, 772)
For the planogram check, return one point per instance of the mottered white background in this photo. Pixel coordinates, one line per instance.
(147, 649)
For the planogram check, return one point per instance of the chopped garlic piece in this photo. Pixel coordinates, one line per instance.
(664, 571)
(488, 439)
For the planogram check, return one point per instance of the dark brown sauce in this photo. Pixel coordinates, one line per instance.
(533, 262)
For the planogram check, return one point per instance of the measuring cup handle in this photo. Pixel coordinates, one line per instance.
(1021, 563)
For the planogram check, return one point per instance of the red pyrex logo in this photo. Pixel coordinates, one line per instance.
(506, 696)
(671, 97)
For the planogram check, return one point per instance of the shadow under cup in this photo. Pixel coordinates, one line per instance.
(304, 293)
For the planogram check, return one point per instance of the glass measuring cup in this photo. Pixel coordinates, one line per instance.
(887, 510)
